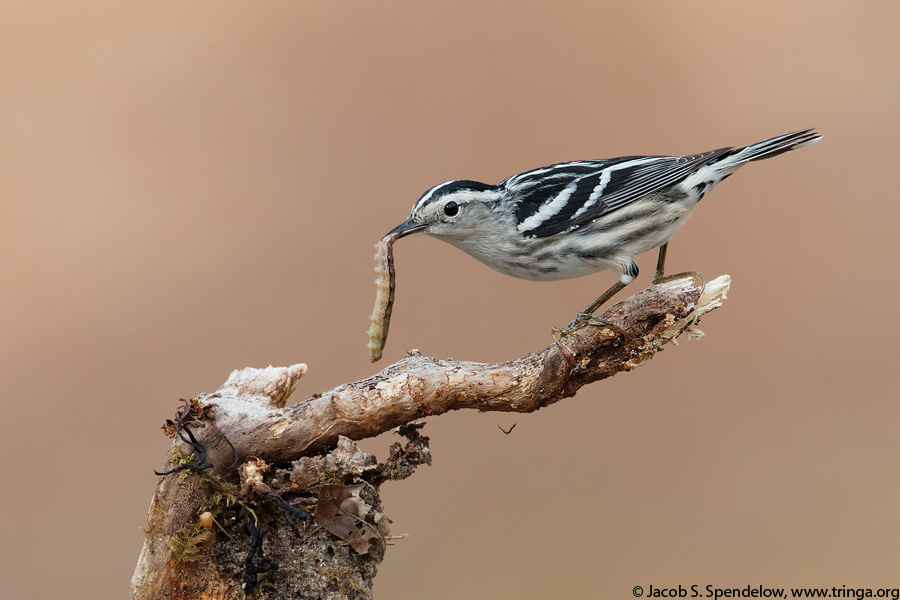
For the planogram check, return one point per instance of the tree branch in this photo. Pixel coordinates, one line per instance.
(251, 419)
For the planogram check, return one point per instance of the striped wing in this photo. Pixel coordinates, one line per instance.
(565, 196)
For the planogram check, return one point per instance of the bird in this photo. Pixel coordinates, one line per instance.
(576, 218)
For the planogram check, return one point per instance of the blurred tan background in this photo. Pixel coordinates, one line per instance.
(192, 187)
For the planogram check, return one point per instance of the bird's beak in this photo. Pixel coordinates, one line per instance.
(405, 228)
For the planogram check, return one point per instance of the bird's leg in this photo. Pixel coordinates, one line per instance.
(660, 263)
(586, 317)
(660, 277)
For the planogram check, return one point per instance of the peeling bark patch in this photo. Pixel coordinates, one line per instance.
(457, 377)
(393, 387)
(278, 428)
(547, 383)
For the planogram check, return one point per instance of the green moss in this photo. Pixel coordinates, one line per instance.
(187, 544)
(223, 494)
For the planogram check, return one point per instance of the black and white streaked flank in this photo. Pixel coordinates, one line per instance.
(576, 218)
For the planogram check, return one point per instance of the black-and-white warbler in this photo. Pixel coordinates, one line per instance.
(576, 218)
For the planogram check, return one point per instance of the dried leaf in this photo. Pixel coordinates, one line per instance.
(341, 512)
(382, 523)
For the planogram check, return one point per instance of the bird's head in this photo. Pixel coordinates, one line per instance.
(454, 210)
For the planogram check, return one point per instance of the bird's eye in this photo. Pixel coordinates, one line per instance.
(451, 208)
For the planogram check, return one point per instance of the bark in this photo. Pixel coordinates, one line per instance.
(298, 449)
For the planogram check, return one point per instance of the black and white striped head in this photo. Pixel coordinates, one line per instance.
(454, 209)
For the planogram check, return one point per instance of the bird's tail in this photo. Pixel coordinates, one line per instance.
(769, 148)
